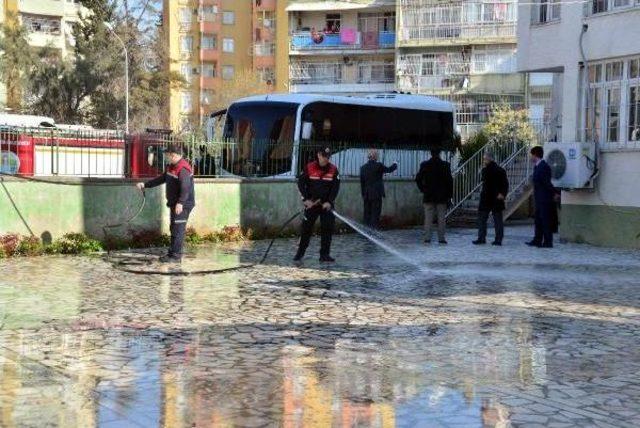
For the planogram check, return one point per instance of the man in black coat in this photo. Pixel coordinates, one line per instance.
(495, 187)
(436, 184)
(372, 187)
(544, 195)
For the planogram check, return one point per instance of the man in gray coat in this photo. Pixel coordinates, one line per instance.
(372, 187)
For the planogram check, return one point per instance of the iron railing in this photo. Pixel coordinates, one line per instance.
(100, 154)
(467, 178)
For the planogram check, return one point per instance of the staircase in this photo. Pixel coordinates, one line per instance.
(514, 158)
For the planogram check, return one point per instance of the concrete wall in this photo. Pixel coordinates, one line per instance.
(258, 204)
(610, 214)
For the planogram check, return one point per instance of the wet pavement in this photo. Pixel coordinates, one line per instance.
(479, 337)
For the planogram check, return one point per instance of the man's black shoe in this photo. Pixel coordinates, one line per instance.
(298, 257)
(327, 259)
(546, 246)
(170, 259)
(533, 244)
(479, 242)
(443, 242)
(496, 243)
(427, 241)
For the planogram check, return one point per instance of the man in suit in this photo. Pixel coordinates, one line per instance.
(495, 187)
(436, 184)
(544, 196)
(372, 187)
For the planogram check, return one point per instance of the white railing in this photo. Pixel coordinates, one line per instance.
(319, 73)
(432, 20)
(467, 178)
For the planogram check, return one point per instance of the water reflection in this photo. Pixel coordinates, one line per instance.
(253, 374)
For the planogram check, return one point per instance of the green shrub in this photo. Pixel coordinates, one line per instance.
(74, 243)
(30, 246)
(192, 237)
(473, 144)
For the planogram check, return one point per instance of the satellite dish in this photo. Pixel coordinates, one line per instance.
(9, 163)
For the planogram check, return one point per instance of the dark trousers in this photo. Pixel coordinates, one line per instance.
(483, 216)
(178, 228)
(544, 227)
(372, 211)
(327, 221)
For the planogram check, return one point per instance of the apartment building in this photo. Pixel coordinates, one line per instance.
(342, 47)
(48, 23)
(593, 49)
(463, 51)
(211, 41)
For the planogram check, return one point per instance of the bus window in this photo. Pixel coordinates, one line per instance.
(263, 132)
(373, 125)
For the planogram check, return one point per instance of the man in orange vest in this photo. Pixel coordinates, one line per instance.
(319, 184)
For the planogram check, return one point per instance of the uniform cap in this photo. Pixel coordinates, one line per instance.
(173, 148)
(326, 152)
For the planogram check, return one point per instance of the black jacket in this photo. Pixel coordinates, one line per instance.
(435, 181)
(494, 182)
(543, 190)
(371, 183)
(179, 184)
(319, 183)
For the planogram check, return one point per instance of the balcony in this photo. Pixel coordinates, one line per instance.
(209, 55)
(340, 42)
(338, 77)
(457, 23)
(210, 26)
(209, 82)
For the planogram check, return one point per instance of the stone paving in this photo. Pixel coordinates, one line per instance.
(478, 337)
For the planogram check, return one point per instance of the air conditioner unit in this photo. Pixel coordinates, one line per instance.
(572, 164)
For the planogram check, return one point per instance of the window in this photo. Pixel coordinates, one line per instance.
(185, 15)
(208, 70)
(544, 11)
(267, 75)
(266, 19)
(428, 65)
(186, 44)
(332, 23)
(186, 71)
(186, 105)
(209, 42)
(228, 45)
(612, 110)
(206, 97)
(634, 113)
(228, 18)
(614, 71)
(228, 72)
(41, 24)
(599, 6)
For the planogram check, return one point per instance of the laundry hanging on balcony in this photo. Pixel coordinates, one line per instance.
(348, 36)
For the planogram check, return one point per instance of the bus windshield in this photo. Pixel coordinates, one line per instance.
(262, 133)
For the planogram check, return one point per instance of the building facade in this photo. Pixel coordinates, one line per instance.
(48, 23)
(211, 42)
(463, 51)
(595, 58)
(342, 47)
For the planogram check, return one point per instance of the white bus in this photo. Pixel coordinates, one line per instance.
(276, 134)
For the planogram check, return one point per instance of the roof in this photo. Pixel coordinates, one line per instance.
(412, 102)
(25, 120)
(314, 5)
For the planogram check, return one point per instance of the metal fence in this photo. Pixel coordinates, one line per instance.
(109, 154)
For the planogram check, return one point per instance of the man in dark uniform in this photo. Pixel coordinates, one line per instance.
(319, 185)
(495, 187)
(178, 178)
(372, 187)
(435, 181)
(544, 195)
